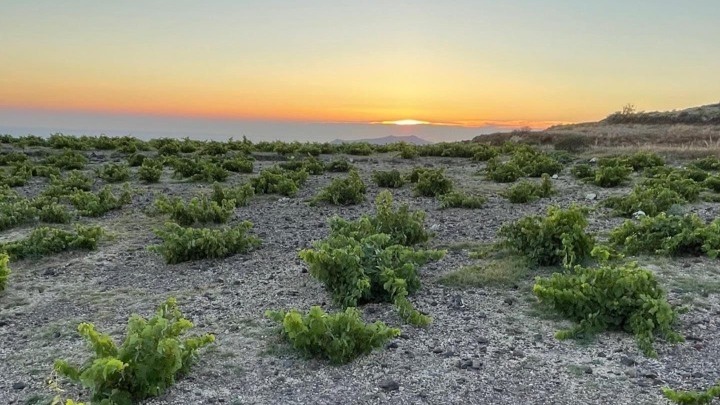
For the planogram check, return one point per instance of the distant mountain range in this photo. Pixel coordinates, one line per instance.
(412, 139)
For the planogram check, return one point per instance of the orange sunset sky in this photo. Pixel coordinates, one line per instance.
(465, 63)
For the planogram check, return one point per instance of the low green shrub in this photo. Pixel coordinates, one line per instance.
(238, 164)
(557, 238)
(483, 153)
(689, 189)
(7, 158)
(650, 200)
(150, 170)
(414, 175)
(54, 213)
(15, 213)
(408, 151)
(114, 172)
(536, 164)
(623, 297)
(611, 176)
(369, 269)
(311, 165)
(67, 160)
(136, 159)
(338, 165)
(669, 235)
(339, 337)
(199, 210)
(502, 172)
(4, 271)
(432, 183)
(198, 169)
(405, 227)
(583, 171)
(276, 180)
(664, 234)
(692, 397)
(713, 183)
(185, 244)
(458, 199)
(572, 143)
(94, 205)
(344, 191)
(642, 160)
(44, 241)
(72, 182)
(241, 195)
(389, 179)
(709, 163)
(149, 360)
(526, 191)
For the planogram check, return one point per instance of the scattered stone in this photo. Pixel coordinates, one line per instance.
(554, 176)
(483, 340)
(638, 214)
(19, 385)
(509, 300)
(457, 302)
(392, 345)
(588, 370)
(627, 361)
(593, 160)
(590, 196)
(389, 385)
(437, 350)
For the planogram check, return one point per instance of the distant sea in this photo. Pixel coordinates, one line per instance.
(43, 123)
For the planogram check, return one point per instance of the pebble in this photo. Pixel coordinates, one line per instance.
(19, 385)
(389, 385)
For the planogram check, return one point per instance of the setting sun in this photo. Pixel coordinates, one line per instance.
(405, 122)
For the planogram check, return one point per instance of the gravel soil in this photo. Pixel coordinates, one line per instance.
(485, 345)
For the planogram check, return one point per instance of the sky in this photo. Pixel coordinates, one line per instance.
(276, 68)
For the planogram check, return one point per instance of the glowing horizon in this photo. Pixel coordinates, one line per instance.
(453, 64)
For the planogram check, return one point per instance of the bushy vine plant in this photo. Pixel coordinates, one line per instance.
(152, 356)
(502, 172)
(526, 191)
(692, 397)
(389, 178)
(459, 199)
(44, 241)
(276, 180)
(344, 191)
(150, 170)
(339, 337)
(4, 270)
(370, 259)
(611, 296)
(200, 210)
(94, 205)
(433, 183)
(557, 238)
(338, 165)
(114, 172)
(182, 244)
(240, 194)
(672, 235)
(67, 160)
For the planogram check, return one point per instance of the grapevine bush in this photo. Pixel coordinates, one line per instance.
(185, 244)
(95, 205)
(276, 180)
(114, 173)
(200, 210)
(44, 241)
(370, 259)
(338, 165)
(502, 172)
(241, 195)
(4, 271)
(459, 199)
(692, 397)
(668, 234)
(152, 356)
(389, 179)
(339, 337)
(526, 191)
(67, 160)
(150, 170)
(432, 183)
(623, 297)
(557, 238)
(344, 191)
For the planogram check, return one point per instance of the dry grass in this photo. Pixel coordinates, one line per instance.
(682, 141)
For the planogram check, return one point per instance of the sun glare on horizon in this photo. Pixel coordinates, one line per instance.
(405, 122)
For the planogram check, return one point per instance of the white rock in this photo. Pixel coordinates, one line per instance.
(590, 196)
(593, 160)
(638, 214)
(554, 176)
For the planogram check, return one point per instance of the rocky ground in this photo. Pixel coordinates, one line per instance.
(485, 345)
